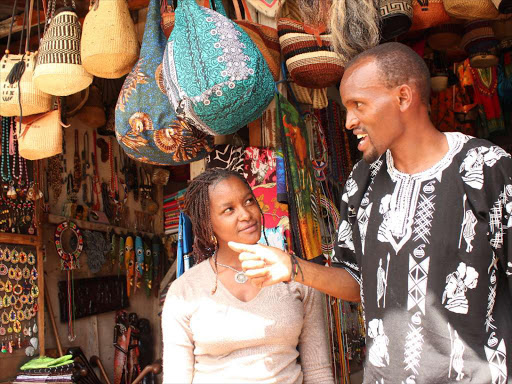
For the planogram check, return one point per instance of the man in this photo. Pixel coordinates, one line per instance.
(433, 207)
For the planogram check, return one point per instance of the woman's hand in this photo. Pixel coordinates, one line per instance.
(262, 264)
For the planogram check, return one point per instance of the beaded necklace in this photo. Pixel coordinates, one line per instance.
(22, 162)
(5, 151)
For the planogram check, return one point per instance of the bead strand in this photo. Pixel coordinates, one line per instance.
(5, 161)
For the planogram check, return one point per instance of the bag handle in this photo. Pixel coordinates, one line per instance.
(39, 117)
(7, 51)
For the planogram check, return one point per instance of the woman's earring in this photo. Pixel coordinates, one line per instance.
(214, 241)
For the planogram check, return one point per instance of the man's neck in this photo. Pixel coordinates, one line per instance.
(419, 150)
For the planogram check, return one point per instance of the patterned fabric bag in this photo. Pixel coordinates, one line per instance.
(264, 37)
(146, 127)
(215, 77)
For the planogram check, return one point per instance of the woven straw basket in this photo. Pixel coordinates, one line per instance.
(33, 100)
(471, 9)
(109, 45)
(309, 57)
(43, 137)
(59, 69)
(428, 14)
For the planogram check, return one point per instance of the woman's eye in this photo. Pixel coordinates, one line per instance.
(228, 210)
(358, 104)
(249, 201)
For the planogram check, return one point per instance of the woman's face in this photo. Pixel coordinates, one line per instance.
(234, 213)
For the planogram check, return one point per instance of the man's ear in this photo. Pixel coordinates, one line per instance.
(404, 97)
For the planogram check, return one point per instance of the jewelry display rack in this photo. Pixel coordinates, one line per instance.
(14, 360)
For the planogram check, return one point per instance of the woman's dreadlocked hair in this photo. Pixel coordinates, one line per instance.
(197, 207)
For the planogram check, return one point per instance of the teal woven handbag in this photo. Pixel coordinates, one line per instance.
(215, 77)
(146, 126)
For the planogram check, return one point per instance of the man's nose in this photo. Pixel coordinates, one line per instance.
(352, 121)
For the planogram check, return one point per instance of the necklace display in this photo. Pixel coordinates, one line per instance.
(16, 205)
(18, 299)
(240, 276)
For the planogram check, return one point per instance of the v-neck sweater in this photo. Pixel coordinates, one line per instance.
(277, 337)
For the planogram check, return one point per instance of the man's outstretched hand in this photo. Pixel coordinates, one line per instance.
(262, 264)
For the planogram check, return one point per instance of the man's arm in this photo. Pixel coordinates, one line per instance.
(266, 265)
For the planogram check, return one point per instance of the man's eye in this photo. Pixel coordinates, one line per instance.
(358, 104)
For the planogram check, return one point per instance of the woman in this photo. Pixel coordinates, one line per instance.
(219, 328)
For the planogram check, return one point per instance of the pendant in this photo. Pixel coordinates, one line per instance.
(241, 278)
(11, 193)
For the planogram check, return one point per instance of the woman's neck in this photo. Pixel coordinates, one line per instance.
(226, 255)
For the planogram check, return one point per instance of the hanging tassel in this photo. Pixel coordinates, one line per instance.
(17, 72)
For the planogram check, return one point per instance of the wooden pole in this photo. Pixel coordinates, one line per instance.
(52, 321)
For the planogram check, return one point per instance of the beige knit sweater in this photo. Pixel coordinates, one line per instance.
(220, 339)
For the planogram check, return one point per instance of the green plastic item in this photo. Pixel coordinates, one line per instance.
(47, 362)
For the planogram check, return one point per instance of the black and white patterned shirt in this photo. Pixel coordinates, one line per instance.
(433, 255)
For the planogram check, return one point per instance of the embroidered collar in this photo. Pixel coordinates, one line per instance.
(456, 141)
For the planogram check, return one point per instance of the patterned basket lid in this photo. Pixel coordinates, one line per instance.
(396, 17)
(147, 128)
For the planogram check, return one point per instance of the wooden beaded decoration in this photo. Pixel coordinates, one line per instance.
(31, 259)
(69, 260)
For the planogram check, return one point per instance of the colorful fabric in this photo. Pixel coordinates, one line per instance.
(275, 237)
(276, 214)
(226, 156)
(147, 128)
(486, 95)
(432, 254)
(505, 87)
(442, 112)
(259, 166)
(300, 180)
(171, 210)
(184, 258)
(214, 74)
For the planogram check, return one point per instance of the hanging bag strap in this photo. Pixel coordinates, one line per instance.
(7, 51)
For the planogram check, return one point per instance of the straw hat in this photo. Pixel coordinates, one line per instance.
(109, 40)
(502, 28)
(504, 6)
(471, 9)
(483, 59)
(478, 37)
(445, 36)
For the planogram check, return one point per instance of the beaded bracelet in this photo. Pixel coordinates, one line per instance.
(296, 268)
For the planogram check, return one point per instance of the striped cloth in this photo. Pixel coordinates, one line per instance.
(171, 210)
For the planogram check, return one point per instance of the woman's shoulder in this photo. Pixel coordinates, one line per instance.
(192, 280)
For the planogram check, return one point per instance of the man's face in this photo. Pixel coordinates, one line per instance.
(373, 112)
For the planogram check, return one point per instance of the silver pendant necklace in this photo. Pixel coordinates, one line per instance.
(240, 276)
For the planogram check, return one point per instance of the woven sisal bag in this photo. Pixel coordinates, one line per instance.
(471, 9)
(428, 14)
(109, 46)
(40, 136)
(15, 90)
(308, 54)
(59, 69)
(396, 17)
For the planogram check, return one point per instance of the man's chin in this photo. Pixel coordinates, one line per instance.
(371, 156)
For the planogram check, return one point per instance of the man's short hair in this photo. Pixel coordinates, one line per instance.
(398, 65)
